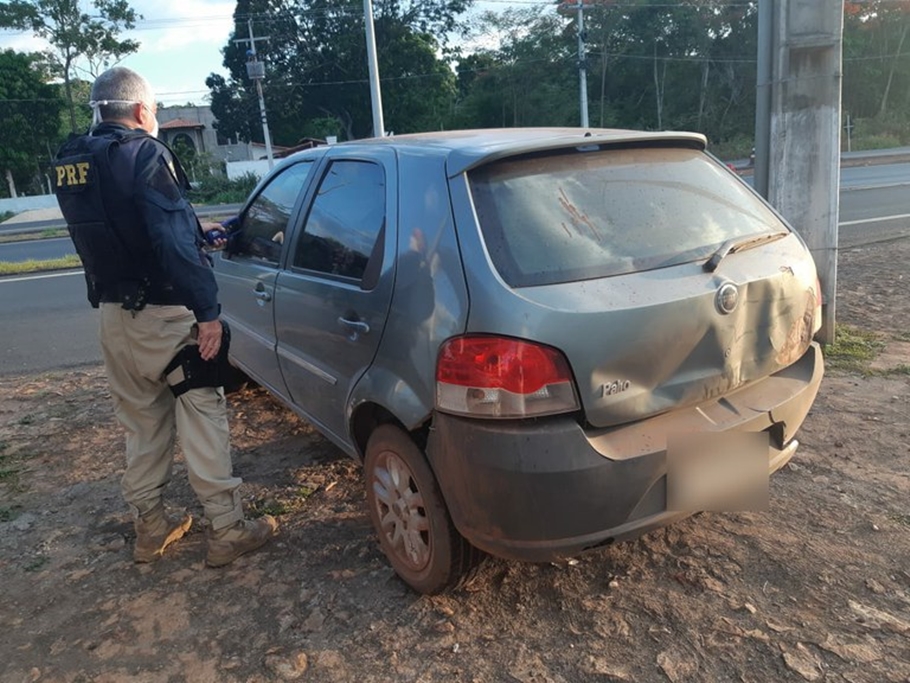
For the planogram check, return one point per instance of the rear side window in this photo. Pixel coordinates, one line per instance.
(345, 223)
(569, 217)
(266, 220)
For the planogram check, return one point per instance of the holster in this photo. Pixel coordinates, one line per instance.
(197, 372)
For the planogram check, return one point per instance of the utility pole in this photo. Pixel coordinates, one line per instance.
(255, 70)
(375, 94)
(797, 127)
(582, 67)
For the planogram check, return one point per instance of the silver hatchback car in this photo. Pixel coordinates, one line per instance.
(512, 328)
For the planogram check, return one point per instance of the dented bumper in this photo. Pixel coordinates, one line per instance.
(537, 490)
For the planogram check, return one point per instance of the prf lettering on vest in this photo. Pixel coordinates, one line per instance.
(72, 174)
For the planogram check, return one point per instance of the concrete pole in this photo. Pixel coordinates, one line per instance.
(265, 123)
(375, 94)
(763, 97)
(803, 155)
(257, 74)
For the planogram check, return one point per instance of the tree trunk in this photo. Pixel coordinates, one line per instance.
(11, 184)
(703, 96)
(658, 91)
(603, 84)
(897, 56)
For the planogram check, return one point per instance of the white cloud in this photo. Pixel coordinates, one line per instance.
(21, 42)
(171, 24)
(180, 44)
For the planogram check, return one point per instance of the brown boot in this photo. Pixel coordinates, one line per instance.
(155, 531)
(226, 545)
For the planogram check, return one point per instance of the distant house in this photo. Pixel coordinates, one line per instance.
(194, 127)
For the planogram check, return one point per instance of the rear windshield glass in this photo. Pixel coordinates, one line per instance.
(587, 215)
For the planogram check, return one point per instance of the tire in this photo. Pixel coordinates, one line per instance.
(409, 514)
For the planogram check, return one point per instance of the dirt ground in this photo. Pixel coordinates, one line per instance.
(816, 589)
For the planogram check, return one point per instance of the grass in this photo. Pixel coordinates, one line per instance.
(37, 564)
(35, 265)
(902, 369)
(6, 215)
(853, 349)
(293, 501)
(9, 473)
(49, 233)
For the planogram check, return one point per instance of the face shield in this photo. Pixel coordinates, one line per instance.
(96, 112)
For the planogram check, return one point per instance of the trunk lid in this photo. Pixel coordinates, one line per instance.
(603, 256)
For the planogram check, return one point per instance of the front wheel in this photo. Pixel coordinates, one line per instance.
(409, 514)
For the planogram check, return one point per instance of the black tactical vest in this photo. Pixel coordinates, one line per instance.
(94, 178)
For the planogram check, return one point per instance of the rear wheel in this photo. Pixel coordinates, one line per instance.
(406, 505)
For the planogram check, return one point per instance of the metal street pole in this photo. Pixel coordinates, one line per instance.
(582, 71)
(375, 94)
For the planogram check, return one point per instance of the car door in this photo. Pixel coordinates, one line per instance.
(333, 298)
(248, 271)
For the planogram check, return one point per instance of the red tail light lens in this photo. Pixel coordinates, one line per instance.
(503, 377)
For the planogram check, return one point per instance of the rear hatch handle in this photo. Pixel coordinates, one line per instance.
(741, 244)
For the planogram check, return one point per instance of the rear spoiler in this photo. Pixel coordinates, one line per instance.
(460, 161)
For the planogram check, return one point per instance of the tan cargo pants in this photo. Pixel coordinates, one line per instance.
(137, 346)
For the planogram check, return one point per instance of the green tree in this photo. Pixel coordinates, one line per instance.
(316, 67)
(30, 111)
(876, 56)
(529, 79)
(74, 34)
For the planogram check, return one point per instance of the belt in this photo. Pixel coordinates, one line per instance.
(136, 295)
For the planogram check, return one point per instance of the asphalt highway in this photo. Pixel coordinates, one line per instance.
(47, 324)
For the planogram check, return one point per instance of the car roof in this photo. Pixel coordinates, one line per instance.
(467, 149)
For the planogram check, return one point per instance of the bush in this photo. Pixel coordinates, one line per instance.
(739, 147)
(220, 190)
(875, 142)
(879, 132)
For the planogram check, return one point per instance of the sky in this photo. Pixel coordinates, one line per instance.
(181, 42)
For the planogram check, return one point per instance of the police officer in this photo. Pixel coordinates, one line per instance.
(123, 195)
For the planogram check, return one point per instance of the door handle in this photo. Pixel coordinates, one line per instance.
(357, 327)
(262, 294)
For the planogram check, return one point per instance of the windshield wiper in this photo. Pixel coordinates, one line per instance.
(741, 244)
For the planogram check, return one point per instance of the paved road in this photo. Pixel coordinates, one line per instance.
(41, 250)
(9, 228)
(48, 324)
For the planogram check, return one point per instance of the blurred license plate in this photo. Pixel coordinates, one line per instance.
(721, 472)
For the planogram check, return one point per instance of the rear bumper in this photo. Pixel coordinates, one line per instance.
(538, 490)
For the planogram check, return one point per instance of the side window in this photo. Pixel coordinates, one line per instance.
(265, 221)
(344, 224)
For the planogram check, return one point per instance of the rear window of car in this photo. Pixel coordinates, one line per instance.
(568, 217)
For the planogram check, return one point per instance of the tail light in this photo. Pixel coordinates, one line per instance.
(486, 376)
